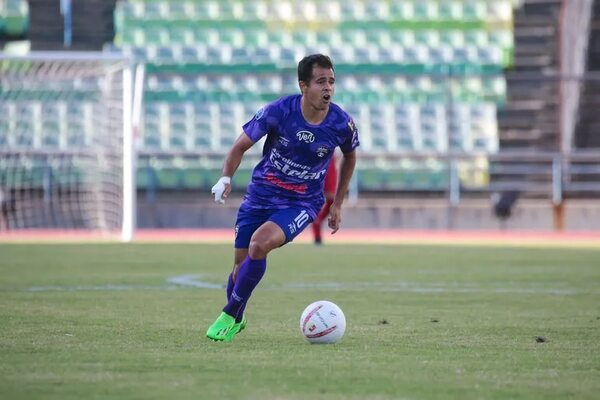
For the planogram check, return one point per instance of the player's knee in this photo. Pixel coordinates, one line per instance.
(259, 248)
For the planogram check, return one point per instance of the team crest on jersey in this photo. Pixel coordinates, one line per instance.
(259, 114)
(322, 151)
(305, 136)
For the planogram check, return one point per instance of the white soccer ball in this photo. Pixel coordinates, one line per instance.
(322, 322)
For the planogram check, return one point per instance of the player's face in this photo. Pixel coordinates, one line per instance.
(319, 92)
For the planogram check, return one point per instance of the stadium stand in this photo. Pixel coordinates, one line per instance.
(439, 89)
(419, 76)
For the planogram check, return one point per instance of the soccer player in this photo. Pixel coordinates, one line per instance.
(285, 193)
(331, 177)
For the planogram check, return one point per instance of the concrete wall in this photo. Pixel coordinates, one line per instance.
(191, 210)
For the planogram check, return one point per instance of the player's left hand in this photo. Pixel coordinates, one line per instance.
(335, 218)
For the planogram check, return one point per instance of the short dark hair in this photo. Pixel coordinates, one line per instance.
(305, 66)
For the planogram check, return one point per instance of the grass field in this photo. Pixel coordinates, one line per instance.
(90, 321)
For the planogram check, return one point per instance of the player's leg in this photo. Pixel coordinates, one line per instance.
(245, 278)
(240, 319)
(239, 256)
(283, 226)
(266, 238)
(223, 328)
(248, 221)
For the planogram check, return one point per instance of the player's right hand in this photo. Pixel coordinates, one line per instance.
(221, 189)
(335, 217)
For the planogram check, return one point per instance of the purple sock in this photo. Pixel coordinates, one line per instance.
(230, 285)
(249, 275)
(240, 314)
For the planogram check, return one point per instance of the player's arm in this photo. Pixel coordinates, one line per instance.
(232, 161)
(346, 170)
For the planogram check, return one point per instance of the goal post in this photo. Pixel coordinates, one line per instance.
(67, 144)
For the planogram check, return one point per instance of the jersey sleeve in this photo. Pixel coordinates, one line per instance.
(351, 141)
(262, 122)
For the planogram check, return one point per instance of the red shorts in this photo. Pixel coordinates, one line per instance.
(331, 178)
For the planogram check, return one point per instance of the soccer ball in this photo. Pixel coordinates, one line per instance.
(322, 322)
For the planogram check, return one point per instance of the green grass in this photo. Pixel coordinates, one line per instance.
(424, 322)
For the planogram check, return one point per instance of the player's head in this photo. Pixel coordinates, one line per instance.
(316, 78)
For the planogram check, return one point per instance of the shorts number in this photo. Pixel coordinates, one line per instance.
(301, 219)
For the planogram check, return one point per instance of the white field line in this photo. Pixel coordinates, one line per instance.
(195, 281)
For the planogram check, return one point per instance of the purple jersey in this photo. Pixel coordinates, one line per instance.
(296, 154)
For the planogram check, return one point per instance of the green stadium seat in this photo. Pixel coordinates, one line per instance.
(14, 17)
(254, 10)
(426, 10)
(157, 36)
(164, 54)
(156, 10)
(474, 10)
(181, 36)
(441, 54)
(255, 37)
(401, 10)
(151, 135)
(404, 135)
(450, 10)
(177, 10)
(24, 134)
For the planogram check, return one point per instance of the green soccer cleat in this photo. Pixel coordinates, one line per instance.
(237, 328)
(243, 323)
(220, 329)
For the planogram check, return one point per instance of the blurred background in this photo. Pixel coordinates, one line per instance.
(473, 114)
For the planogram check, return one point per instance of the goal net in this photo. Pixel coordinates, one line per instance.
(66, 145)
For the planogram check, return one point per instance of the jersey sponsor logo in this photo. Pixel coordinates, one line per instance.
(305, 136)
(294, 187)
(294, 169)
(284, 141)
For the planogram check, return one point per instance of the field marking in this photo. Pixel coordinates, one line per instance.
(100, 288)
(194, 281)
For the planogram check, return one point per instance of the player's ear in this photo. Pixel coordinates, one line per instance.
(302, 86)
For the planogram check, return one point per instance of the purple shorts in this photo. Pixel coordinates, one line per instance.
(291, 220)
